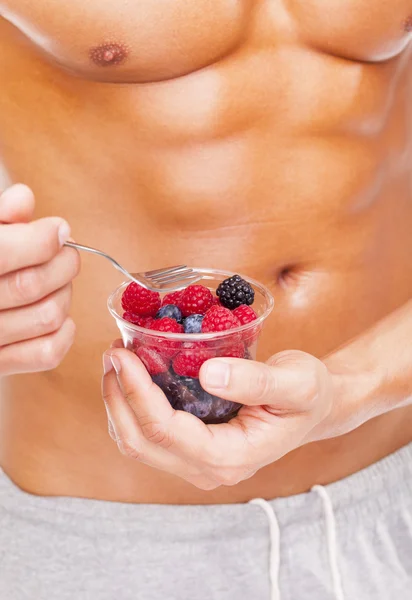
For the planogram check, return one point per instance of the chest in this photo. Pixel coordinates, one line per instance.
(154, 40)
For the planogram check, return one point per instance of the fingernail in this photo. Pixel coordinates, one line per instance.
(110, 425)
(217, 374)
(116, 364)
(64, 233)
(111, 430)
(107, 364)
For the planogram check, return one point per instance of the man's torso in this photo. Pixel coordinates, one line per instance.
(264, 137)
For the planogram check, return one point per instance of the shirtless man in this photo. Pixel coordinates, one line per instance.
(267, 137)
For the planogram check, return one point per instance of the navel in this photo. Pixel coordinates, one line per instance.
(108, 54)
(408, 24)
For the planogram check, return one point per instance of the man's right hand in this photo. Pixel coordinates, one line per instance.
(36, 272)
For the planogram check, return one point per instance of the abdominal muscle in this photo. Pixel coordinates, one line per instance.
(301, 184)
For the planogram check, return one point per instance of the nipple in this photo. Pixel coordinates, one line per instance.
(108, 55)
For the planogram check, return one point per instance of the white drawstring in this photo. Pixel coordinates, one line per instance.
(274, 550)
(331, 540)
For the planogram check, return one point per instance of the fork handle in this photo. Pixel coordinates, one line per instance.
(87, 249)
(100, 253)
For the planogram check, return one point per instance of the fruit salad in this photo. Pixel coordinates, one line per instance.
(175, 334)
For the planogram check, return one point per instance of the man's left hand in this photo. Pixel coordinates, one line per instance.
(289, 401)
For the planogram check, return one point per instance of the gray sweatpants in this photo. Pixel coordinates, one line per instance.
(351, 540)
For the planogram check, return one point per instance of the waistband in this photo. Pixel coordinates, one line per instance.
(377, 487)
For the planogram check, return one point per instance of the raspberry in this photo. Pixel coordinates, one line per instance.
(245, 314)
(165, 347)
(219, 318)
(172, 298)
(167, 325)
(235, 291)
(139, 301)
(194, 345)
(152, 360)
(235, 351)
(196, 300)
(138, 320)
(188, 362)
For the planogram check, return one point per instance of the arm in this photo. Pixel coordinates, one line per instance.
(373, 373)
(290, 401)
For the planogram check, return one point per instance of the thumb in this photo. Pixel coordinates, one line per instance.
(290, 381)
(16, 204)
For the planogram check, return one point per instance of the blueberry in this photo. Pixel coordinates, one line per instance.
(186, 393)
(193, 385)
(175, 391)
(171, 311)
(169, 386)
(200, 408)
(222, 409)
(206, 406)
(193, 324)
(248, 355)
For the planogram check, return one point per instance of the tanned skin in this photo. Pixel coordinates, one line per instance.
(267, 137)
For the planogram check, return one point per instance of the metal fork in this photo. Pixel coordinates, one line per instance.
(160, 280)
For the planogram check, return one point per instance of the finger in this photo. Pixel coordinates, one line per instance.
(30, 285)
(159, 422)
(29, 244)
(36, 320)
(291, 382)
(126, 430)
(16, 204)
(177, 431)
(40, 354)
(123, 424)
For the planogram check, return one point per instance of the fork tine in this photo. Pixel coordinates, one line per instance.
(170, 280)
(171, 276)
(185, 282)
(150, 274)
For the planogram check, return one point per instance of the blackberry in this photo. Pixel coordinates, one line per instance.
(235, 291)
(193, 324)
(171, 311)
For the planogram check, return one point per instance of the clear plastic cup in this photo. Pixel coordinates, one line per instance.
(158, 350)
